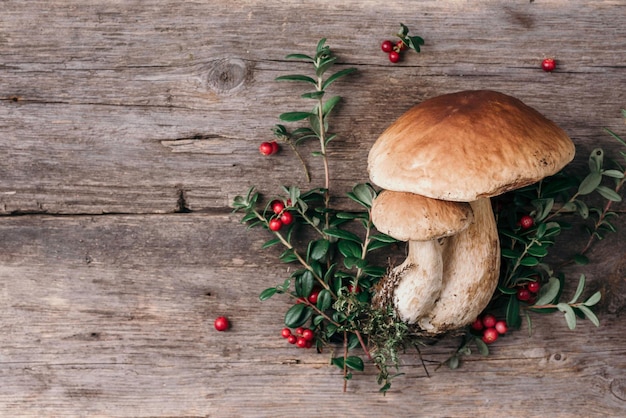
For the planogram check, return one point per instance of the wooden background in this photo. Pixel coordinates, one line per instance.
(126, 129)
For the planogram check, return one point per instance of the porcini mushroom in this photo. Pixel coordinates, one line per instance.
(467, 147)
(423, 222)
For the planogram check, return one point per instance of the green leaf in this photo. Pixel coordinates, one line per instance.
(614, 135)
(340, 233)
(581, 208)
(383, 238)
(593, 299)
(609, 194)
(330, 104)
(313, 95)
(297, 315)
(548, 292)
(570, 315)
(375, 271)
(590, 315)
(336, 76)
(288, 256)
(590, 183)
(294, 116)
(581, 259)
(320, 249)
(508, 253)
(268, 293)
(543, 207)
(299, 57)
(528, 261)
(453, 362)
(537, 251)
(507, 290)
(363, 194)
(325, 65)
(296, 77)
(513, 318)
(304, 284)
(270, 243)
(355, 363)
(579, 289)
(482, 347)
(511, 235)
(616, 174)
(324, 300)
(403, 30)
(349, 249)
(596, 160)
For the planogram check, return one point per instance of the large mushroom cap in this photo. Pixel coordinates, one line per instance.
(411, 217)
(468, 145)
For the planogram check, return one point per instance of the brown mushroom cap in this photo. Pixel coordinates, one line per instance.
(411, 217)
(468, 145)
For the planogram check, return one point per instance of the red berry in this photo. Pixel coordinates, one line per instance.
(308, 334)
(548, 64)
(386, 46)
(286, 332)
(275, 147)
(309, 343)
(221, 323)
(400, 46)
(292, 339)
(286, 218)
(313, 296)
(353, 289)
(490, 335)
(477, 325)
(277, 206)
(288, 202)
(501, 327)
(394, 56)
(275, 224)
(299, 331)
(526, 222)
(489, 321)
(523, 294)
(301, 342)
(266, 148)
(534, 287)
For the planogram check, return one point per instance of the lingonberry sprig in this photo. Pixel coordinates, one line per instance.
(395, 49)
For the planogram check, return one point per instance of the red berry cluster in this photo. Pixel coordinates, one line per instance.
(269, 148)
(490, 327)
(393, 50)
(301, 337)
(528, 291)
(548, 65)
(281, 215)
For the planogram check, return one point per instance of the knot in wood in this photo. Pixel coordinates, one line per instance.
(226, 74)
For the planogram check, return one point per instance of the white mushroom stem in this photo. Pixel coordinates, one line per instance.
(419, 280)
(470, 274)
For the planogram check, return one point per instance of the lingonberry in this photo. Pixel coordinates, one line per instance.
(394, 56)
(489, 321)
(548, 64)
(526, 222)
(286, 218)
(309, 343)
(275, 224)
(277, 206)
(501, 327)
(386, 46)
(533, 287)
(308, 334)
(353, 289)
(490, 335)
(266, 148)
(299, 331)
(301, 342)
(400, 46)
(286, 332)
(477, 325)
(313, 296)
(275, 147)
(221, 323)
(292, 339)
(523, 294)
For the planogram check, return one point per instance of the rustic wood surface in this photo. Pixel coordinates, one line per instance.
(128, 127)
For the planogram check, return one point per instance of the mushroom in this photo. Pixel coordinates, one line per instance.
(423, 222)
(467, 147)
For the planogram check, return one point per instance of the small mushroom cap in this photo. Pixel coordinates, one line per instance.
(467, 145)
(412, 217)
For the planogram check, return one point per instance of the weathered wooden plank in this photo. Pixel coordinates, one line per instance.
(119, 108)
(112, 316)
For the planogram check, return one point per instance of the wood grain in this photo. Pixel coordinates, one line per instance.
(128, 127)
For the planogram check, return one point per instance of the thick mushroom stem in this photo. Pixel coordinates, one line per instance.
(419, 280)
(470, 275)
